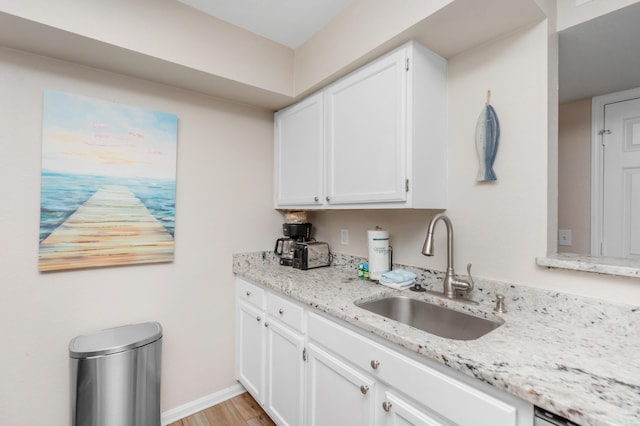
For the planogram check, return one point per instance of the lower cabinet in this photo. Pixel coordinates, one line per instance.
(270, 351)
(305, 368)
(250, 349)
(400, 411)
(336, 391)
(285, 374)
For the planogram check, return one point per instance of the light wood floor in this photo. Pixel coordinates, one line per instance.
(239, 411)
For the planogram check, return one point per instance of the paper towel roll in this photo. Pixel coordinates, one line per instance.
(379, 252)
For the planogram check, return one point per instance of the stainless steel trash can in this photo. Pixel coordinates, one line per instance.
(115, 376)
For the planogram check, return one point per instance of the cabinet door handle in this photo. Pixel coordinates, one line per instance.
(248, 293)
(315, 199)
(386, 406)
(258, 318)
(281, 311)
(328, 199)
(266, 324)
(375, 364)
(364, 389)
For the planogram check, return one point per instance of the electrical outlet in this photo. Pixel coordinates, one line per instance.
(564, 237)
(344, 236)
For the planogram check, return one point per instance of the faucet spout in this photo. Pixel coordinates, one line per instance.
(451, 283)
(427, 248)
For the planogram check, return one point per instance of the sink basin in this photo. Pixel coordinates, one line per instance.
(431, 318)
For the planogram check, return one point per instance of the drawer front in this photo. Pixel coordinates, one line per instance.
(361, 352)
(444, 394)
(286, 311)
(250, 293)
(435, 390)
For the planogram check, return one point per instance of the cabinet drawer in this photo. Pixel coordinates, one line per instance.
(250, 293)
(435, 390)
(285, 311)
(443, 394)
(358, 350)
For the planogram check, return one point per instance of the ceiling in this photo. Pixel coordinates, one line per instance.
(600, 56)
(288, 22)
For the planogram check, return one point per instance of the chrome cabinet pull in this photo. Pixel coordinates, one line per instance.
(386, 406)
(258, 318)
(364, 389)
(315, 199)
(281, 311)
(375, 364)
(266, 324)
(248, 293)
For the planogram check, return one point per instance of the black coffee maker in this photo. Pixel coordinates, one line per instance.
(294, 233)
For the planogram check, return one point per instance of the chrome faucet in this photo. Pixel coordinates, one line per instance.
(451, 284)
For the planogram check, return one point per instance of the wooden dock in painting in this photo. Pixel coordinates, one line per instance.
(113, 227)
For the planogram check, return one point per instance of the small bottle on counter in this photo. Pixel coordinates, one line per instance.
(363, 270)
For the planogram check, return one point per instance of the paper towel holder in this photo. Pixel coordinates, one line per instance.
(380, 252)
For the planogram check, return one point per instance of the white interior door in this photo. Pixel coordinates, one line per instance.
(621, 180)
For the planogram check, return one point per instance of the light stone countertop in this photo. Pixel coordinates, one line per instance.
(574, 356)
(599, 265)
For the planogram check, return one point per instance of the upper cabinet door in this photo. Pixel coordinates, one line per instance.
(298, 154)
(365, 140)
(379, 141)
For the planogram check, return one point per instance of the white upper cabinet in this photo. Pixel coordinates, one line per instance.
(382, 143)
(298, 153)
(365, 139)
(366, 134)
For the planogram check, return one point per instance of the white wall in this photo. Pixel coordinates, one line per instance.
(574, 174)
(224, 194)
(500, 227)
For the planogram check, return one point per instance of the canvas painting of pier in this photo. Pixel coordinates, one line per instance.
(108, 184)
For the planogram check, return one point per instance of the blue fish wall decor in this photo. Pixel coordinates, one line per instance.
(487, 139)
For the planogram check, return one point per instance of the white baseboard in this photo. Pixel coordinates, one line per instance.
(200, 404)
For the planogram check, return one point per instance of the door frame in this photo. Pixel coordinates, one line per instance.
(598, 104)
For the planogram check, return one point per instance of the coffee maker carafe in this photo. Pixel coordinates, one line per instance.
(294, 233)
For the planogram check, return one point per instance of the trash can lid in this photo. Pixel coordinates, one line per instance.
(114, 340)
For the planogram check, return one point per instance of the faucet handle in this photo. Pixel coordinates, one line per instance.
(462, 284)
(470, 277)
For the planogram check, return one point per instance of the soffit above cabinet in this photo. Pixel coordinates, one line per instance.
(456, 27)
(21, 34)
(464, 24)
(231, 73)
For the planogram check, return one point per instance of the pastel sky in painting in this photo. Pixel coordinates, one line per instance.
(82, 135)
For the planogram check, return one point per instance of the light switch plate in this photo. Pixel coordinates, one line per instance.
(344, 236)
(564, 237)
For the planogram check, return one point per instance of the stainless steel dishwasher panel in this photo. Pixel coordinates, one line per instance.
(544, 418)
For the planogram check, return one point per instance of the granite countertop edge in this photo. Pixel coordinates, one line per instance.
(533, 355)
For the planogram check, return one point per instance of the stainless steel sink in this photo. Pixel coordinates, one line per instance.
(431, 318)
